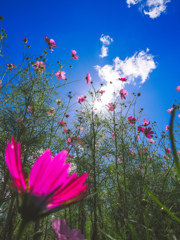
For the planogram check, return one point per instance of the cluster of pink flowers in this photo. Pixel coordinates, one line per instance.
(81, 99)
(111, 106)
(139, 169)
(10, 66)
(122, 93)
(122, 79)
(147, 131)
(49, 187)
(74, 56)
(66, 130)
(132, 120)
(51, 112)
(60, 74)
(51, 43)
(39, 66)
(166, 157)
(88, 78)
(62, 123)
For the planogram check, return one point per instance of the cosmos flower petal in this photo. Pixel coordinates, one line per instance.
(13, 161)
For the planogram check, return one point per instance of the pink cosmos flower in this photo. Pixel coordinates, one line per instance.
(163, 165)
(122, 93)
(88, 78)
(132, 120)
(178, 152)
(166, 157)
(178, 89)
(167, 128)
(51, 112)
(63, 232)
(111, 106)
(81, 99)
(107, 155)
(69, 142)
(151, 140)
(170, 110)
(140, 170)
(51, 43)
(58, 102)
(60, 74)
(62, 123)
(39, 66)
(140, 129)
(74, 56)
(103, 137)
(101, 91)
(148, 133)
(10, 66)
(122, 79)
(49, 187)
(178, 115)
(82, 111)
(30, 109)
(167, 150)
(146, 122)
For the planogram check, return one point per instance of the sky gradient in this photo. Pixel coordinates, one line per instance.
(135, 39)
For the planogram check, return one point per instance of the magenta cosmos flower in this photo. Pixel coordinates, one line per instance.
(81, 99)
(167, 128)
(49, 186)
(132, 120)
(122, 93)
(51, 43)
(63, 232)
(122, 79)
(148, 133)
(60, 74)
(88, 78)
(74, 56)
(145, 122)
(101, 91)
(111, 106)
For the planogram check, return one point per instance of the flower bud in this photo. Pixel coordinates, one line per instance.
(1, 18)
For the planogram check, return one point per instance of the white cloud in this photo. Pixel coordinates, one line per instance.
(140, 65)
(106, 40)
(153, 8)
(104, 51)
(133, 2)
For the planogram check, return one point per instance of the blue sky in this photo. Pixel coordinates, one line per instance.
(143, 46)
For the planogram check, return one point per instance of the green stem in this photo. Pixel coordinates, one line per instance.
(21, 229)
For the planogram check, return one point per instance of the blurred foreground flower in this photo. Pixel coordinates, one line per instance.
(49, 188)
(62, 231)
(39, 66)
(81, 99)
(122, 93)
(122, 79)
(88, 78)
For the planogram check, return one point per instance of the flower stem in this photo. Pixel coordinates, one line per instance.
(21, 229)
